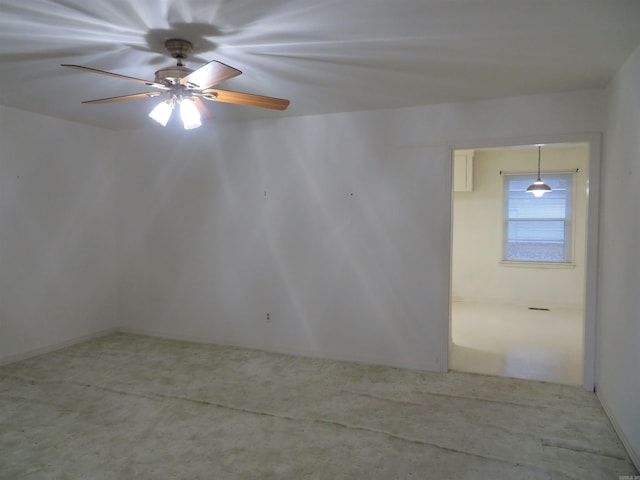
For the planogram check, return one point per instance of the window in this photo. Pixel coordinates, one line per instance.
(538, 229)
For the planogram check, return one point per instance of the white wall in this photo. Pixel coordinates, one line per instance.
(477, 272)
(619, 302)
(338, 226)
(57, 232)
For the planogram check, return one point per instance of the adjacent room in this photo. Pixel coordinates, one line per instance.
(234, 243)
(518, 262)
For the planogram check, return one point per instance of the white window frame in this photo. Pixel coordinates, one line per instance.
(568, 260)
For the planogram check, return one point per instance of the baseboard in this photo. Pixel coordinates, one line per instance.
(55, 346)
(633, 454)
(286, 351)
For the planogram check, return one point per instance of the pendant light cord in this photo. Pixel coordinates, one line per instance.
(539, 148)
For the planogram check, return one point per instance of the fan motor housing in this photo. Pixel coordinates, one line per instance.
(172, 75)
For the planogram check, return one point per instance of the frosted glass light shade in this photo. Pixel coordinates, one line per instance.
(189, 114)
(161, 113)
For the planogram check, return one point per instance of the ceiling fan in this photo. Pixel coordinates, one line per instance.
(187, 88)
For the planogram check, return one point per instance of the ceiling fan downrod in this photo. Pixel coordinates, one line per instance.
(179, 49)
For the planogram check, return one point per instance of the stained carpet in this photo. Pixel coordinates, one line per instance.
(134, 407)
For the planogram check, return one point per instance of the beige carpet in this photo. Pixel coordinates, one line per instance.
(132, 407)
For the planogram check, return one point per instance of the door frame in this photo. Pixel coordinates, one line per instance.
(594, 140)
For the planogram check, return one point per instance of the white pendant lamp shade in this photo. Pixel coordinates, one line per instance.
(538, 188)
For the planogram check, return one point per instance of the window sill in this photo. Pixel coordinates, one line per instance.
(551, 265)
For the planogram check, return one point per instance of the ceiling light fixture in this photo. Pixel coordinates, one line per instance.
(187, 88)
(162, 112)
(538, 188)
(188, 112)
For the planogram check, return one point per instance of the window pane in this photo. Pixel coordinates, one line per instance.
(535, 252)
(536, 241)
(538, 229)
(525, 205)
(543, 231)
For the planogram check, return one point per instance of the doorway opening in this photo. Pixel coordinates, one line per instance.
(520, 270)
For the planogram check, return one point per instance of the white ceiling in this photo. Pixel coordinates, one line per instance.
(324, 55)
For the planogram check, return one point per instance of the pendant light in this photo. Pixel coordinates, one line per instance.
(538, 188)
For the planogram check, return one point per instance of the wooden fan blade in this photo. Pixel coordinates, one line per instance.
(124, 97)
(209, 75)
(148, 83)
(202, 108)
(247, 99)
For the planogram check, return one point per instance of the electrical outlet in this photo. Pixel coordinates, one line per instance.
(268, 318)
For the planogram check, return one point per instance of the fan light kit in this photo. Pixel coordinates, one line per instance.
(187, 88)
